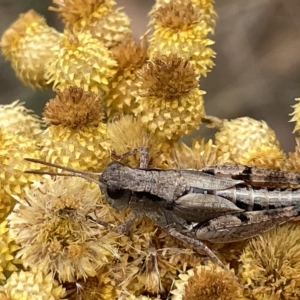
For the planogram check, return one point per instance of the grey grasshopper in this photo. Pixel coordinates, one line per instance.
(218, 204)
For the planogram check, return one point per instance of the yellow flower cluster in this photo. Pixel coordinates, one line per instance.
(28, 285)
(250, 142)
(115, 96)
(8, 246)
(27, 44)
(96, 52)
(80, 60)
(19, 134)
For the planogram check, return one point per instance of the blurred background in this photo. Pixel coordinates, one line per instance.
(257, 72)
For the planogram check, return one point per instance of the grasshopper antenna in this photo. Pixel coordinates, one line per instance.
(73, 173)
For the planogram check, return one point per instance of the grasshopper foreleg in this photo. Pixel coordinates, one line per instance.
(124, 227)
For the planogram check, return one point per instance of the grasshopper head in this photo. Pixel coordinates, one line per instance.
(117, 198)
(115, 194)
(112, 175)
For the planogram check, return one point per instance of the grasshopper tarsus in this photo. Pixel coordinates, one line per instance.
(102, 223)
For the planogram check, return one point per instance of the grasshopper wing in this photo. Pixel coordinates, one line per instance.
(202, 207)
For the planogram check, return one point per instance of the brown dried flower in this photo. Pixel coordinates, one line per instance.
(99, 287)
(169, 100)
(130, 54)
(76, 136)
(206, 283)
(206, 8)
(71, 11)
(74, 108)
(177, 15)
(167, 77)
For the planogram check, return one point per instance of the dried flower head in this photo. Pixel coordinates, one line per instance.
(177, 15)
(18, 120)
(167, 77)
(270, 264)
(128, 272)
(206, 7)
(102, 18)
(74, 108)
(292, 163)
(248, 140)
(93, 288)
(141, 297)
(198, 156)
(179, 28)
(266, 156)
(129, 134)
(110, 29)
(75, 137)
(296, 115)
(149, 260)
(169, 100)
(207, 11)
(8, 248)
(130, 56)
(27, 44)
(13, 149)
(129, 53)
(81, 60)
(52, 227)
(72, 11)
(207, 282)
(28, 285)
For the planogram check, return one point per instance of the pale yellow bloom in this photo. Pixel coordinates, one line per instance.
(51, 225)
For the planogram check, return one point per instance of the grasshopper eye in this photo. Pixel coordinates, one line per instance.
(118, 194)
(117, 198)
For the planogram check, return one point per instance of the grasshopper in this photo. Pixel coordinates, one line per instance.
(219, 204)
